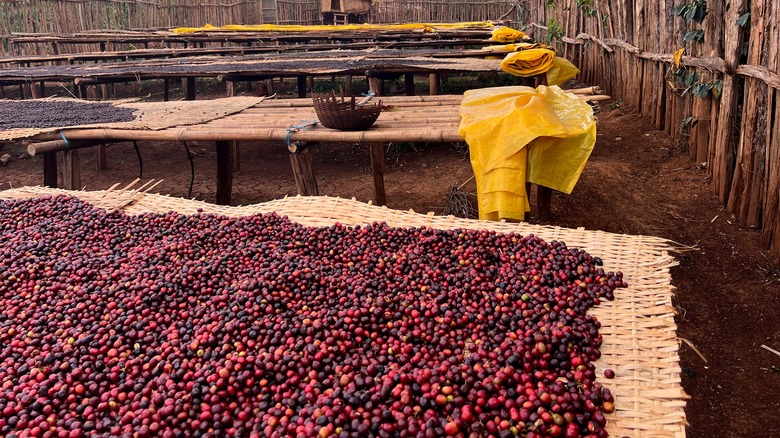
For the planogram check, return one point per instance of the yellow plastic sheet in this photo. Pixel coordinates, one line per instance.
(528, 62)
(507, 35)
(519, 134)
(561, 71)
(535, 61)
(423, 27)
(514, 47)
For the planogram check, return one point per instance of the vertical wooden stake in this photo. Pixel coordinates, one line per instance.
(409, 83)
(224, 172)
(231, 88)
(377, 151)
(348, 85)
(301, 87)
(50, 169)
(543, 201)
(36, 90)
(100, 157)
(189, 88)
(433, 81)
(166, 89)
(374, 85)
(71, 170)
(236, 154)
(303, 171)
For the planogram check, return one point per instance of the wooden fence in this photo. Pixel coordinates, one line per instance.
(416, 11)
(71, 16)
(722, 101)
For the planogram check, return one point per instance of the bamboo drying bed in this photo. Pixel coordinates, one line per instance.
(638, 327)
(127, 55)
(433, 119)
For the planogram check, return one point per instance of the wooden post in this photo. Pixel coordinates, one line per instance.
(377, 151)
(50, 169)
(100, 157)
(409, 83)
(303, 171)
(37, 90)
(104, 91)
(374, 85)
(224, 172)
(348, 85)
(71, 170)
(236, 154)
(433, 81)
(231, 88)
(166, 89)
(301, 87)
(189, 88)
(543, 201)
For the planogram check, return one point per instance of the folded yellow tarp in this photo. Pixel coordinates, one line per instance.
(535, 61)
(517, 134)
(301, 28)
(507, 35)
(514, 47)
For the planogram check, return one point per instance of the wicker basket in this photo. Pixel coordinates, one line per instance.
(345, 115)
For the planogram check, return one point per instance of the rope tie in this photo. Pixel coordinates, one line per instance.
(67, 143)
(306, 125)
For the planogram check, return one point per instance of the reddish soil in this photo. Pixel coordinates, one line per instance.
(637, 182)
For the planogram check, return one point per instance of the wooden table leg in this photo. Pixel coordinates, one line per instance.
(301, 87)
(433, 84)
(224, 172)
(348, 85)
(189, 88)
(235, 150)
(231, 88)
(409, 83)
(377, 151)
(543, 200)
(100, 157)
(50, 170)
(166, 89)
(71, 170)
(303, 171)
(374, 85)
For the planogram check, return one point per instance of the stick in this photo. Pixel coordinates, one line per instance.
(771, 350)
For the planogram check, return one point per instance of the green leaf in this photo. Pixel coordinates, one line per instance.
(679, 10)
(717, 89)
(694, 35)
(700, 11)
(691, 78)
(743, 20)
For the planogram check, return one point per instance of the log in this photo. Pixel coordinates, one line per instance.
(377, 151)
(303, 171)
(433, 81)
(100, 157)
(224, 172)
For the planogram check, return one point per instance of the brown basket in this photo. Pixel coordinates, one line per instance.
(345, 115)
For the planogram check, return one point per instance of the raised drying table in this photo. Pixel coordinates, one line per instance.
(370, 62)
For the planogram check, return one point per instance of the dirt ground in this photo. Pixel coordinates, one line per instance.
(637, 182)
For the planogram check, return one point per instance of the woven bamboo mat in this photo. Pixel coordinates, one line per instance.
(638, 327)
(155, 116)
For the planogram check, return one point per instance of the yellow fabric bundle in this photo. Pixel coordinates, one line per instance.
(532, 62)
(528, 62)
(519, 134)
(507, 35)
(514, 47)
(424, 27)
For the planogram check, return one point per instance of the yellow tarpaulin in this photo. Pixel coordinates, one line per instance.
(300, 28)
(507, 35)
(519, 134)
(535, 61)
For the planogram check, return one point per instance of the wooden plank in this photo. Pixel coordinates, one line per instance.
(303, 171)
(377, 152)
(224, 172)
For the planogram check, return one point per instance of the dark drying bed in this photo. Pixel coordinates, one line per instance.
(48, 114)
